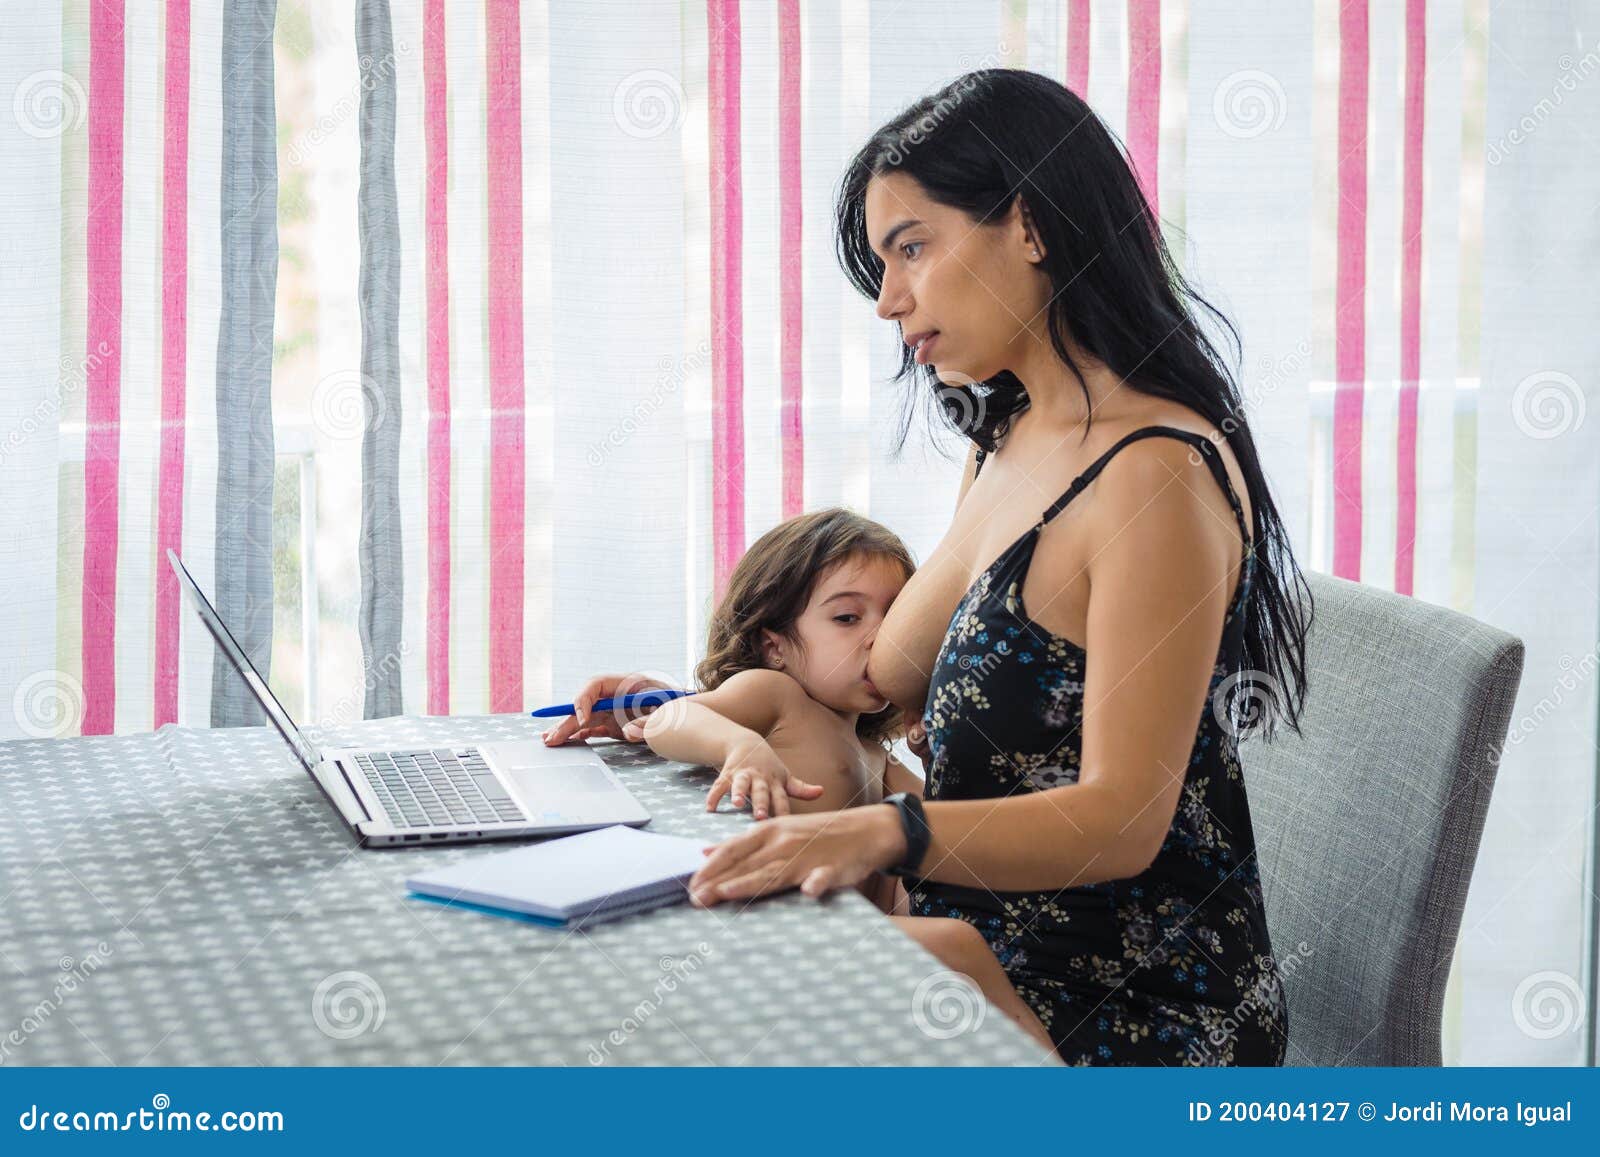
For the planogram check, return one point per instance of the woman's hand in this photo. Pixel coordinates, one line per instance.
(753, 771)
(818, 852)
(608, 724)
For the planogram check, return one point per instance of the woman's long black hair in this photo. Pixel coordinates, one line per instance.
(979, 143)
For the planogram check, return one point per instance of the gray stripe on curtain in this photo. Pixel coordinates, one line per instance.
(382, 567)
(246, 455)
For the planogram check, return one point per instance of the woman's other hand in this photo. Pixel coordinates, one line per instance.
(818, 852)
(606, 724)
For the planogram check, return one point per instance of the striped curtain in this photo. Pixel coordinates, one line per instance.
(555, 331)
(116, 243)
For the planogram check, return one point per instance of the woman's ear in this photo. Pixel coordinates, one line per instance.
(1033, 249)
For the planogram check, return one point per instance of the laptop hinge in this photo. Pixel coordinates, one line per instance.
(331, 777)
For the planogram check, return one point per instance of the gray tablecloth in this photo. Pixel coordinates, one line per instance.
(186, 897)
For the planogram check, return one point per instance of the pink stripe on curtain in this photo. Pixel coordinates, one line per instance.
(1144, 95)
(727, 326)
(1078, 47)
(174, 354)
(1350, 331)
(103, 376)
(790, 301)
(436, 138)
(1410, 298)
(507, 464)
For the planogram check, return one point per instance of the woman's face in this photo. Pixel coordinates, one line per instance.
(977, 288)
(836, 632)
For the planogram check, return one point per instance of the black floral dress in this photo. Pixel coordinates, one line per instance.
(1172, 966)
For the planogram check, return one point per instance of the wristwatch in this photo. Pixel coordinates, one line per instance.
(914, 823)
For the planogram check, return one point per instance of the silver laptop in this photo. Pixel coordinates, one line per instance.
(446, 793)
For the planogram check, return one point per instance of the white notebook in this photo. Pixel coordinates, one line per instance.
(572, 881)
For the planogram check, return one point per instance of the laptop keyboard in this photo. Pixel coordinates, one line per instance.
(441, 787)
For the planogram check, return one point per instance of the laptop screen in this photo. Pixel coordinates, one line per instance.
(241, 663)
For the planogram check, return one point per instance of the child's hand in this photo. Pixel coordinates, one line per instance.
(755, 772)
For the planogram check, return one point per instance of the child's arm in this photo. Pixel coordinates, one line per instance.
(727, 729)
(691, 732)
(699, 729)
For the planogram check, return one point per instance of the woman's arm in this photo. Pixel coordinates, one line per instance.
(1164, 553)
(1164, 560)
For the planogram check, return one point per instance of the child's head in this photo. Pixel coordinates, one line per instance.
(807, 599)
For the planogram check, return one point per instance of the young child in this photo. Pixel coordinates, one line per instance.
(786, 711)
(788, 715)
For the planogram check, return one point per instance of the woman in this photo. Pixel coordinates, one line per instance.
(1087, 817)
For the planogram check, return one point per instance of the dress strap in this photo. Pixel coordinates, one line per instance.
(1208, 452)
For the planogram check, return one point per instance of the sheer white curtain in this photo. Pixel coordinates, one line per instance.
(596, 248)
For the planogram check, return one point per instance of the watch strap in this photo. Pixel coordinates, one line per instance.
(914, 825)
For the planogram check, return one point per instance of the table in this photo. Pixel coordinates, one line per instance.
(186, 897)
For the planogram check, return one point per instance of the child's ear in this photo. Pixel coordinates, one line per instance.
(771, 648)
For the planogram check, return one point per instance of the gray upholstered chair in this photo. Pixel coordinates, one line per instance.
(1367, 824)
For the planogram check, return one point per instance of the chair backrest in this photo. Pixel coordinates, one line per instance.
(1367, 823)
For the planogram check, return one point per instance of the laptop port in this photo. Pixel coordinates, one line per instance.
(437, 836)
(408, 839)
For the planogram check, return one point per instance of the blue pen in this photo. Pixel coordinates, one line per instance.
(652, 698)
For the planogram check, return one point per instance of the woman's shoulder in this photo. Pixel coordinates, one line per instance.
(1152, 462)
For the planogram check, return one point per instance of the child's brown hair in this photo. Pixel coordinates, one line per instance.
(772, 584)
